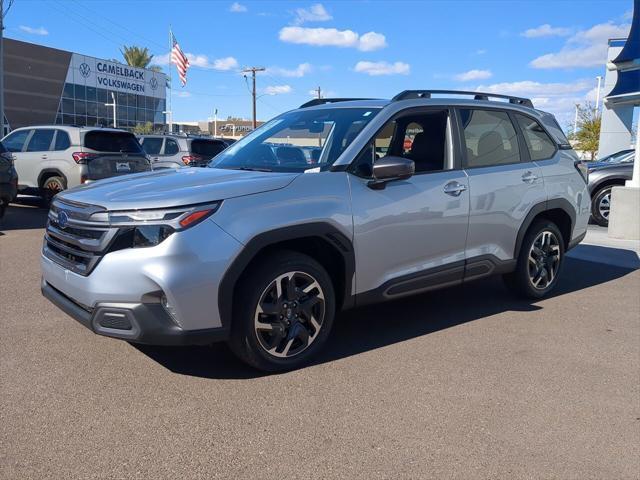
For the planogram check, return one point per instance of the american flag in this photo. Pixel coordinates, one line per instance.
(180, 59)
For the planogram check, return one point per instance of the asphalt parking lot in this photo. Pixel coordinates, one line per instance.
(463, 383)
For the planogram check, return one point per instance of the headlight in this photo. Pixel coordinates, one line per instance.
(148, 228)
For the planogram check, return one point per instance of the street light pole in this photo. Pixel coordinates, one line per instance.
(575, 119)
(599, 77)
(113, 104)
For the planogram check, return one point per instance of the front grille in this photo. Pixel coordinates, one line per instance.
(80, 241)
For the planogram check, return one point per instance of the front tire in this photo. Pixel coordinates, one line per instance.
(600, 206)
(283, 312)
(539, 261)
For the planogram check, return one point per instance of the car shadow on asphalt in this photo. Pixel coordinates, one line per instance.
(367, 328)
(26, 213)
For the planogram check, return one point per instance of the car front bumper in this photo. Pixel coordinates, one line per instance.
(122, 297)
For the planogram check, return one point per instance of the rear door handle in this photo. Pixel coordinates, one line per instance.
(529, 177)
(44, 157)
(454, 189)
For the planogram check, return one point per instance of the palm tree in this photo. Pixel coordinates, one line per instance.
(138, 57)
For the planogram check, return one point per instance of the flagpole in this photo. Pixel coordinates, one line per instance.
(169, 111)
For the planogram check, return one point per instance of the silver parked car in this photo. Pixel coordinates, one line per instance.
(262, 249)
(50, 159)
(175, 151)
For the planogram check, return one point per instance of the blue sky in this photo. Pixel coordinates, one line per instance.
(548, 50)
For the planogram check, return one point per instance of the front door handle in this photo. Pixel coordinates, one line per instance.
(529, 177)
(454, 189)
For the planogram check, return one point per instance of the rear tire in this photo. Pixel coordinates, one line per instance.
(600, 205)
(283, 312)
(539, 261)
(51, 187)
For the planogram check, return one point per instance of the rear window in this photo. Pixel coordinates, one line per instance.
(207, 148)
(111, 142)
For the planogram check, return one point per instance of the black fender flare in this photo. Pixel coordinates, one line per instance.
(57, 172)
(537, 209)
(321, 230)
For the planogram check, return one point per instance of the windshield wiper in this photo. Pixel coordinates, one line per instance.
(253, 169)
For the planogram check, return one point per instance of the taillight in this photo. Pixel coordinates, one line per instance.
(83, 157)
(189, 159)
(582, 169)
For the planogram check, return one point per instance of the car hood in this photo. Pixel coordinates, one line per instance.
(170, 188)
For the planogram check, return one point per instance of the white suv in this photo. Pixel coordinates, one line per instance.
(50, 159)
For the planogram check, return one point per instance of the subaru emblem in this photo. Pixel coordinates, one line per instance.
(63, 218)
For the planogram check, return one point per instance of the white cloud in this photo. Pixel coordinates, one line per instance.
(372, 41)
(298, 72)
(226, 63)
(201, 61)
(317, 13)
(34, 31)
(237, 8)
(322, 37)
(587, 48)
(325, 93)
(182, 94)
(481, 51)
(277, 89)
(382, 68)
(546, 30)
(473, 75)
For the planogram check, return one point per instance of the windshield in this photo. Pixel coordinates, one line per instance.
(297, 141)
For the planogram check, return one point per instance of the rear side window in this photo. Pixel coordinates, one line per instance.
(490, 138)
(539, 144)
(15, 141)
(207, 148)
(2, 148)
(104, 141)
(171, 147)
(40, 140)
(152, 145)
(62, 140)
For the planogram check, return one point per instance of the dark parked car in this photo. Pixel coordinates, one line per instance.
(602, 178)
(8, 179)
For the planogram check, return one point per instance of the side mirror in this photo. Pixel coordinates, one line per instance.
(391, 168)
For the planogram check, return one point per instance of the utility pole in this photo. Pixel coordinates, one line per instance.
(2, 13)
(599, 77)
(253, 71)
(113, 104)
(319, 92)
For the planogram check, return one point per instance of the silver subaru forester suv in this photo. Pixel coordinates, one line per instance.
(337, 204)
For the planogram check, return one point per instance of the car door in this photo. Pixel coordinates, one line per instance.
(504, 184)
(171, 157)
(152, 146)
(36, 155)
(15, 142)
(410, 236)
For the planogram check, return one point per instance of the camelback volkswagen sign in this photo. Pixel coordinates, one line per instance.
(98, 73)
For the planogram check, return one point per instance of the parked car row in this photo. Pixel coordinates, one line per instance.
(605, 174)
(49, 159)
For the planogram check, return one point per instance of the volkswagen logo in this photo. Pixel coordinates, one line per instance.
(153, 83)
(85, 70)
(63, 219)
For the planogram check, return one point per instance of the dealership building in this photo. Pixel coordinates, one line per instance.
(46, 86)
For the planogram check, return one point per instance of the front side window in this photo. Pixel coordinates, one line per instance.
(421, 137)
(297, 141)
(152, 145)
(40, 140)
(490, 138)
(15, 141)
(540, 146)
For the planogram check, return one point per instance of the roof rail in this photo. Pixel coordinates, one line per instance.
(322, 101)
(409, 94)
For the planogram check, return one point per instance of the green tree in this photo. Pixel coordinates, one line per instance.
(143, 128)
(586, 136)
(139, 57)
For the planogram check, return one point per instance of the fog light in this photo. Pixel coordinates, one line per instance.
(169, 309)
